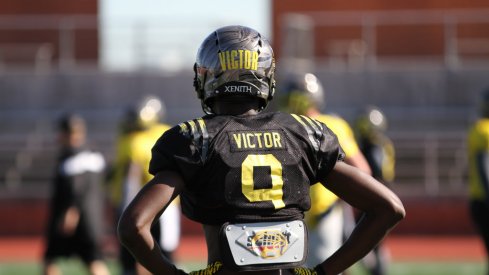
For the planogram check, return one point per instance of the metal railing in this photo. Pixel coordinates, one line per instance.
(431, 163)
(144, 45)
(299, 39)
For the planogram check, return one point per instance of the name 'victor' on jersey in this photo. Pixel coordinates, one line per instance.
(257, 140)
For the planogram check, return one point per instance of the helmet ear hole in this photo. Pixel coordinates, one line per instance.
(197, 84)
(271, 84)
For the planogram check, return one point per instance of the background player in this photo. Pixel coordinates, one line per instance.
(303, 94)
(240, 165)
(379, 151)
(140, 129)
(75, 224)
(478, 156)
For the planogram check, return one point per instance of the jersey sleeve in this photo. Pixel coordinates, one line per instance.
(175, 151)
(324, 149)
(329, 152)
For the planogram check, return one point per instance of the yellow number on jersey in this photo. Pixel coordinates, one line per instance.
(273, 194)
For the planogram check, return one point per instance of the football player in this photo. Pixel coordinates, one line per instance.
(328, 217)
(478, 157)
(379, 151)
(75, 225)
(245, 174)
(139, 130)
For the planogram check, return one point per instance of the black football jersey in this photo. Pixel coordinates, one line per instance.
(247, 168)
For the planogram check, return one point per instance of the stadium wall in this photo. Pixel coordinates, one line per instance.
(49, 26)
(422, 39)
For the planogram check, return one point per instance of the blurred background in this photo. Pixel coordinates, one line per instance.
(424, 63)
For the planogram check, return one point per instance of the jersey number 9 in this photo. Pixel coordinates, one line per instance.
(273, 194)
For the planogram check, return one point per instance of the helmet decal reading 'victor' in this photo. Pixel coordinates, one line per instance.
(239, 59)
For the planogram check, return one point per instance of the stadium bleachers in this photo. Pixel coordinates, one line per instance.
(428, 114)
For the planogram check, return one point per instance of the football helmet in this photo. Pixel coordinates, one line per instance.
(149, 111)
(234, 60)
(371, 120)
(301, 92)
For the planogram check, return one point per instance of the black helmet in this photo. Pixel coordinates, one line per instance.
(234, 60)
(301, 92)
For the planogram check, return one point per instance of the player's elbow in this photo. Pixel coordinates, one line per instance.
(128, 229)
(395, 209)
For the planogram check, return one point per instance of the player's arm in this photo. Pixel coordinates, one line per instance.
(69, 221)
(135, 223)
(69, 201)
(358, 160)
(382, 208)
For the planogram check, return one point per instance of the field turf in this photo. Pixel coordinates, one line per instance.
(74, 267)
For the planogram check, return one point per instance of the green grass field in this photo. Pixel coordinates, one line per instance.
(74, 267)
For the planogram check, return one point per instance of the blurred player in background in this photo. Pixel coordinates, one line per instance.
(140, 129)
(303, 94)
(478, 156)
(245, 174)
(76, 223)
(379, 151)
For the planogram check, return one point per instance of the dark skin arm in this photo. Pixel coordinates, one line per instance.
(382, 208)
(135, 223)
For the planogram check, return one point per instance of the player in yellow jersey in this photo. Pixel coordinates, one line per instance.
(478, 155)
(140, 129)
(304, 95)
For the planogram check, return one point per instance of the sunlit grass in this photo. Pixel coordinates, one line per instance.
(75, 267)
